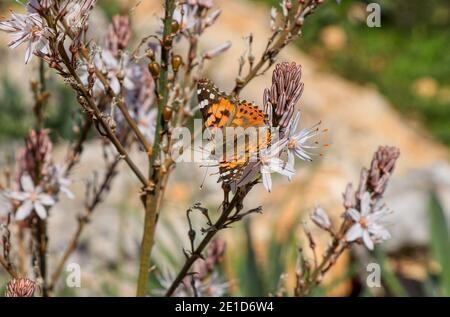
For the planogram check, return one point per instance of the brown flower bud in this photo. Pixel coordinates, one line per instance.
(167, 113)
(177, 61)
(154, 69)
(175, 26)
(150, 54)
(20, 287)
(34, 85)
(167, 42)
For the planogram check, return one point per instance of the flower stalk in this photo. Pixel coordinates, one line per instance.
(151, 193)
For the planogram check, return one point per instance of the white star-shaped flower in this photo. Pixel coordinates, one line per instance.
(299, 142)
(367, 223)
(270, 163)
(27, 28)
(31, 198)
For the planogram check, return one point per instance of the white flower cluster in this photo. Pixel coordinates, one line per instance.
(367, 223)
(297, 143)
(32, 29)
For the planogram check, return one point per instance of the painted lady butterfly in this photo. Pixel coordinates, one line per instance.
(221, 111)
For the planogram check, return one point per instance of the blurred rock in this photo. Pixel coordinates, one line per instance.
(426, 87)
(333, 37)
(357, 12)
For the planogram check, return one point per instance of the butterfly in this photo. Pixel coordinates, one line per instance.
(221, 111)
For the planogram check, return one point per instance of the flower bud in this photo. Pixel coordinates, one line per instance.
(150, 54)
(20, 287)
(321, 219)
(177, 61)
(167, 113)
(167, 42)
(175, 26)
(154, 69)
(217, 50)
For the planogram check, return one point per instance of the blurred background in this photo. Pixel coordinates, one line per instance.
(370, 86)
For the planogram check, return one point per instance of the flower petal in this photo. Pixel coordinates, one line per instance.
(379, 232)
(365, 204)
(267, 181)
(377, 215)
(294, 124)
(354, 214)
(367, 240)
(24, 210)
(291, 160)
(355, 232)
(27, 183)
(46, 200)
(67, 192)
(40, 210)
(18, 196)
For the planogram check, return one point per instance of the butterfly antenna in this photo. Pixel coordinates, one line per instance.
(204, 178)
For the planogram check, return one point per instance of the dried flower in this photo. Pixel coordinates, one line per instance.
(38, 5)
(321, 218)
(215, 253)
(212, 53)
(76, 13)
(114, 68)
(281, 98)
(348, 199)
(30, 29)
(119, 34)
(211, 18)
(381, 169)
(367, 223)
(32, 198)
(20, 287)
(36, 158)
(190, 16)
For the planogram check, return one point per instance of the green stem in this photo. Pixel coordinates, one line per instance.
(151, 198)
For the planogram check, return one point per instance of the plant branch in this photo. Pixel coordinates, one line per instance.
(151, 196)
(98, 116)
(220, 224)
(287, 35)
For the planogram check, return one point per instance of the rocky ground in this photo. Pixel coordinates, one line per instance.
(359, 119)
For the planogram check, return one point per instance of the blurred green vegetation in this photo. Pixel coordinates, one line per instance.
(16, 115)
(407, 58)
(13, 121)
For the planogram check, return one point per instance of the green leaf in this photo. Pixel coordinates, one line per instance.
(390, 280)
(254, 283)
(440, 242)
